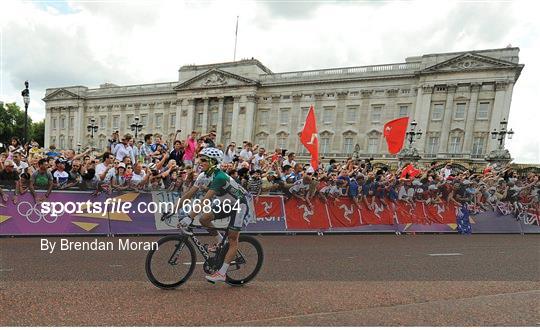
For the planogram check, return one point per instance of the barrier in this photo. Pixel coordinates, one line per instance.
(274, 214)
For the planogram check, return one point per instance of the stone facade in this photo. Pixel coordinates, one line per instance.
(456, 98)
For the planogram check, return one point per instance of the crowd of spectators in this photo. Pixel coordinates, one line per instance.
(154, 164)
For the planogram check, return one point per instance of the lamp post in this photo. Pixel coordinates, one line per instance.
(92, 127)
(412, 133)
(502, 133)
(26, 98)
(136, 126)
(410, 154)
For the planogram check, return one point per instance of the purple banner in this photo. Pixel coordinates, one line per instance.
(25, 218)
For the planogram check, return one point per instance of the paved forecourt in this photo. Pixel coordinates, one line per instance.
(305, 280)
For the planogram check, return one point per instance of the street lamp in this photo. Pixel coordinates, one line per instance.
(92, 127)
(412, 133)
(26, 98)
(501, 133)
(136, 126)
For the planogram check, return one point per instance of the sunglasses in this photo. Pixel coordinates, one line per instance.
(203, 160)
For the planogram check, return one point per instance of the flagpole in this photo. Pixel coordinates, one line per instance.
(235, 39)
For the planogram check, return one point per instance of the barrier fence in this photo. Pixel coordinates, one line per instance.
(273, 215)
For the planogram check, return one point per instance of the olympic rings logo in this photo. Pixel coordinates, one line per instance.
(33, 213)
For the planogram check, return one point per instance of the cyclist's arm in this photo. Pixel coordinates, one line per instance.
(187, 196)
(208, 196)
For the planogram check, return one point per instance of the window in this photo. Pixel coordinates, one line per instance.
(172, 120)
(348, 145)
(143, 120)
(130, 120)
(228, 118)
(71, 122)
(305, 111)
(263, 117)
(62, 122)
(70, 142)
(403, 111)
(62, 142)
(373, 145)
(351, 114)
(101, 143)
(198, 119)
(282, 141)
(433, 145)
(262, 140)
(325, 144)
(376, 114)
(284, 116)
(102, 123)
(437, 112)
(159, 120)
(328, 115)
(227, 138)
(116, 122)
(53, 141)
(54, 123)
(213, 118)
(455, 145)
(483, 110)
(478, 146)
(460, 111)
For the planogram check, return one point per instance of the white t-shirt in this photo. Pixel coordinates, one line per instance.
(136, 178)
(21, 167)
(245, 155)
(121, 151)
(100, 169)
(256, 161)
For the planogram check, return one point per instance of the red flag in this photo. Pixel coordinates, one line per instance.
(394, 133)
(310, 138)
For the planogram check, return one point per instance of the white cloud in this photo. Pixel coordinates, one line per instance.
(126, 42)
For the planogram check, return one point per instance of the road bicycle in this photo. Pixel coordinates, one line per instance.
(174, 260)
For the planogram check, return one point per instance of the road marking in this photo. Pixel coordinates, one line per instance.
(197, 263)
(6, 270)
(444, 254)
(116, 266)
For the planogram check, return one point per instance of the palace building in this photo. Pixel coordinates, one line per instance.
(457, 99)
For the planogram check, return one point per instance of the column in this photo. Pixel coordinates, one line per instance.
(250, 118)
(421, 114)
(178, 112)
(58, 111)
(48, 128)
(498, 114)
(447, 118)
(219, 128)
(205, 116)
(471, 115)
(190, 115)
(235, 116)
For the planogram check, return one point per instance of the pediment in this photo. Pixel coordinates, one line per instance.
(61, 94)
(470, 62)
(215, 78)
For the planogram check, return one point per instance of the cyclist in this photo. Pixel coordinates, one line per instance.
(227, 191)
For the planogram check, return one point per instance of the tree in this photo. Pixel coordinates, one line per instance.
(37, 132)
(12, 122)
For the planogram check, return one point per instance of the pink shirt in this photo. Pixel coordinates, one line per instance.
(189, 151)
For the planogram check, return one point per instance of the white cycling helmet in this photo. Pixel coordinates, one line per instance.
(213, 153)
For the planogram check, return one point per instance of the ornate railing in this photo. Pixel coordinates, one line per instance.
(396, 67)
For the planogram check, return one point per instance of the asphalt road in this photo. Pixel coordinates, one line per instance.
(305, 280)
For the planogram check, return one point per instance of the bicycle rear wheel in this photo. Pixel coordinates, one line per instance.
(248, 261)
(172, 263)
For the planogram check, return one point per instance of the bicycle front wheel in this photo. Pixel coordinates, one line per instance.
(172, 263)
(248, 261)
